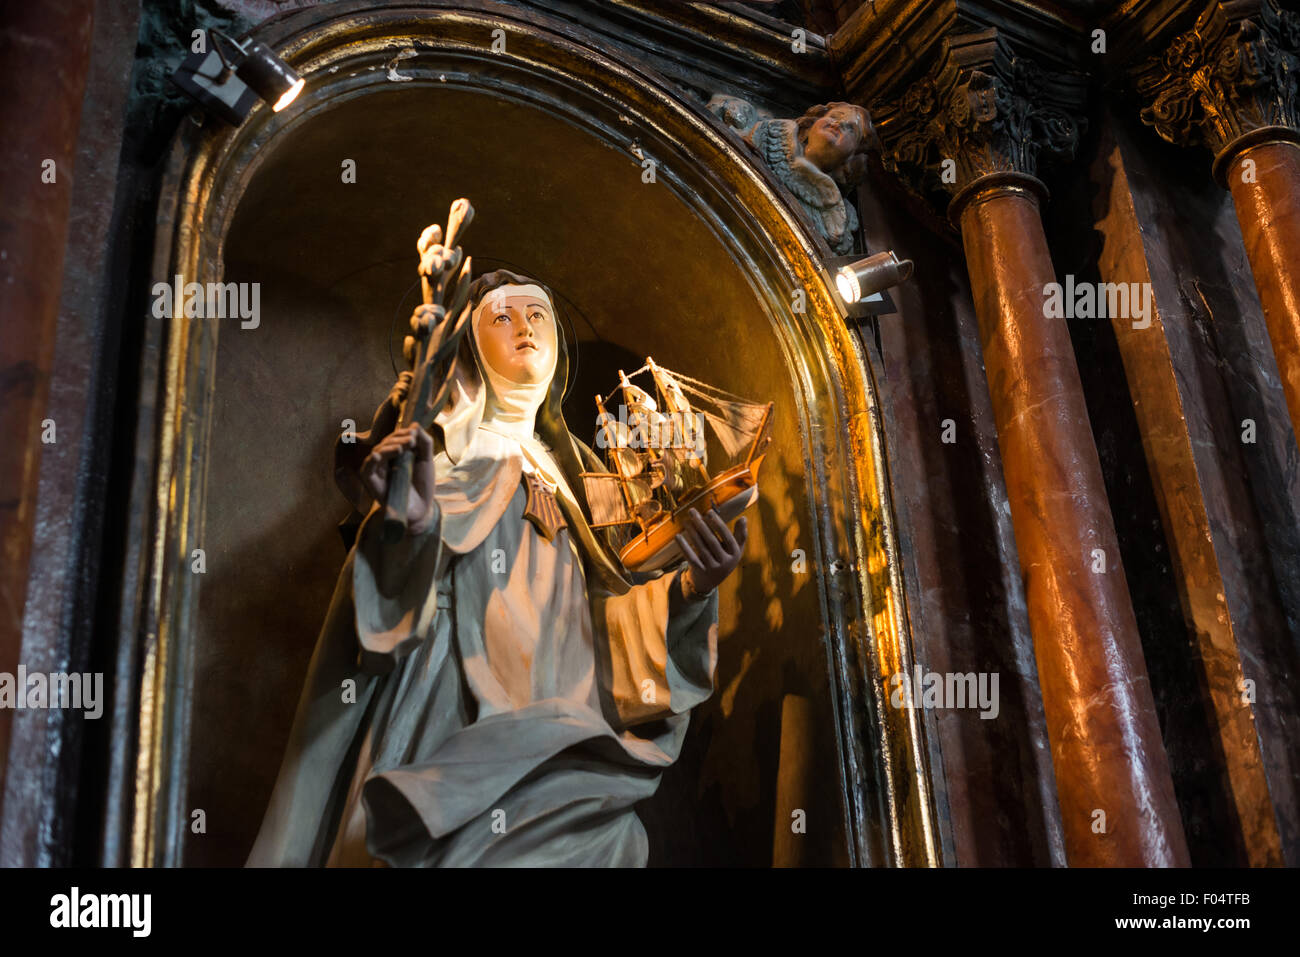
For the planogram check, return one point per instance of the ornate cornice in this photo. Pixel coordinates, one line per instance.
(967, 81)
(982, 109)
(878, 49)
(1236, 71)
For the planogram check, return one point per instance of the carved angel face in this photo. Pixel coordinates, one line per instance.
(835, 137)
(515, 330)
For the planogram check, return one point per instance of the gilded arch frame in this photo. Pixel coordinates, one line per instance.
(343, 51)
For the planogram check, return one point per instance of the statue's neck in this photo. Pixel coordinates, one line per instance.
(516, 423)
(511, 407)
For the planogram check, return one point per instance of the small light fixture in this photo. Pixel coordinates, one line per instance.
(272, 78)
(228, 82)
(869, 277)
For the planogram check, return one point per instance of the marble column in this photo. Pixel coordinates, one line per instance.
(44, 56)
(1231, 749)
(1229, 84)
(976, 125)
(1264, 178)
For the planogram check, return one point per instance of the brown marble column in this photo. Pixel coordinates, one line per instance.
(974, 126)
(1263, 175)
(1106, 746)
(1228, 83)
(1230, 751)
(44, 55)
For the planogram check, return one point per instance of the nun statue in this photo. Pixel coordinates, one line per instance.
(494, 689)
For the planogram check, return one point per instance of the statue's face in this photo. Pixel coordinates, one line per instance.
(833, 138)
(515, 330)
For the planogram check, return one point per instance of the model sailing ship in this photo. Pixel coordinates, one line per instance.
(658, 452)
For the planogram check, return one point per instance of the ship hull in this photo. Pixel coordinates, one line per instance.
(731, 492)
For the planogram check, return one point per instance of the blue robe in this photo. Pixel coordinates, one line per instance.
(474, 700)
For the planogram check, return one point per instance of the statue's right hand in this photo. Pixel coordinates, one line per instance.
(374, 473)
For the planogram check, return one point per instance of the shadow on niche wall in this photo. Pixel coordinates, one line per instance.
(333, 263)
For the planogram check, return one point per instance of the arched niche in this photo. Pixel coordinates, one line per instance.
(699, 268)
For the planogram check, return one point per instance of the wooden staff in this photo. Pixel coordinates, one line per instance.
(432, 350)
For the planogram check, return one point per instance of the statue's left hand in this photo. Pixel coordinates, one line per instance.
(401, 388)
(712, 551)
(434, 259)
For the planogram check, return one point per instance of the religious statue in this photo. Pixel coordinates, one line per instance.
(491, 685)
(816, 157)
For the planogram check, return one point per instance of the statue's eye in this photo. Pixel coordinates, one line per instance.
(537, 316)
(501, 318)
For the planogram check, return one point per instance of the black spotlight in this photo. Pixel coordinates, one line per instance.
(229, 81)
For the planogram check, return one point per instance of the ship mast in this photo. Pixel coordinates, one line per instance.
(651, 422)
(611, 443)
(679, 407)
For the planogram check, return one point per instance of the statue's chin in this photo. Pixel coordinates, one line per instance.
(524, 372)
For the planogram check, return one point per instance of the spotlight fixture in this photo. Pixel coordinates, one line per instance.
(862, 283)
(229, 81)
(866, 277)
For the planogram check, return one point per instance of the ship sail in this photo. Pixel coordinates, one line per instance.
(639, 402)
(645, 424)
(628, 462)
(736, 424)
(657, 451)
(618, 443)
(683, 427)
(605, 498)
(673, 395)
(638, 492)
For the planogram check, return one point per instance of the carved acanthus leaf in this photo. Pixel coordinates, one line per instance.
(994, 114)
(1222, 79)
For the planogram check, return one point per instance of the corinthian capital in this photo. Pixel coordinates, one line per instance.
(982, 109)
(1234, 72)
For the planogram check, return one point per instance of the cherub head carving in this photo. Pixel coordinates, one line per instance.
(836, 137)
